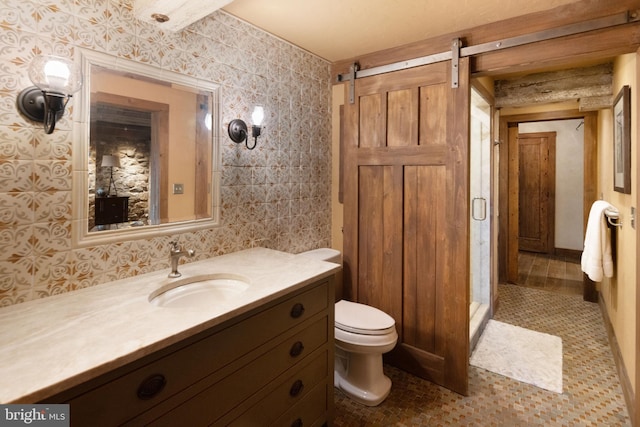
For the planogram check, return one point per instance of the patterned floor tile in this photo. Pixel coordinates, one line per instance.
(592, 393)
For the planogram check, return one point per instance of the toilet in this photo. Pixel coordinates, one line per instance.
(362, 335)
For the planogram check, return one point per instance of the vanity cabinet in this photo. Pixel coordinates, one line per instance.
(270, 366)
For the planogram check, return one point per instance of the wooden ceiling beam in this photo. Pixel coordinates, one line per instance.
(175, 15)
(557, 86)
(586, 48)
(583, 49)
(595, 103)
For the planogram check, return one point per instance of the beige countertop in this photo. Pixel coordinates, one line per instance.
(52, 344)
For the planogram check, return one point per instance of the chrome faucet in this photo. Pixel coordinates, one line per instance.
(175, 254)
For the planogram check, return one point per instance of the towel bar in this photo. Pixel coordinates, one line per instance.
(612, 215)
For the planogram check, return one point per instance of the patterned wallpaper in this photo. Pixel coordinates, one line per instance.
(276, 196)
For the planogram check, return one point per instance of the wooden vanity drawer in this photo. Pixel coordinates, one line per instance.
(309, 412)
(294, 389)
(219, 353)
(220, 398)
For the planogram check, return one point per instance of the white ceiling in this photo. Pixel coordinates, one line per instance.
(343, 29)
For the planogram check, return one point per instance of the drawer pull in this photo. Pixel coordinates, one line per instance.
(296, 349)
(297, 310)
(296, 388)
(151, 386)
(297, 423)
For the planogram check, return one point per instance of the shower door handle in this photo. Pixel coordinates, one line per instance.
(479, 208)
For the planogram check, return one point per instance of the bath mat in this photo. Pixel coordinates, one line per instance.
(524, 355)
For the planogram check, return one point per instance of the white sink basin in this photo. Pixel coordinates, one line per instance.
(199, 291)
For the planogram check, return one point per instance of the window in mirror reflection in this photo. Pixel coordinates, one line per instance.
(161, 135)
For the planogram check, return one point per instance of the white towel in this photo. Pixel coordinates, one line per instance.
(596, 258)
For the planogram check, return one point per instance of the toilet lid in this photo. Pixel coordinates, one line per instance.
(362, 319)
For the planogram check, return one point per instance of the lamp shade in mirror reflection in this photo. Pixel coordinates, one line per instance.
(55, 80)
(110, 161)
(238, 128)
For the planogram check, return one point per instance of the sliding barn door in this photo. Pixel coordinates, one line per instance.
(406, 225)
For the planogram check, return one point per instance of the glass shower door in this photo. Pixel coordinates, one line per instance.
(480, 221)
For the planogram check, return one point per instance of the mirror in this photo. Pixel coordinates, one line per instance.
(147, 155)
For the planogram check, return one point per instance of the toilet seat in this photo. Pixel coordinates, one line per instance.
(362, 319)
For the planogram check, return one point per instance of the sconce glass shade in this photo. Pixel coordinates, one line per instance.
(258, 115)
(55, 75)
(55, 80)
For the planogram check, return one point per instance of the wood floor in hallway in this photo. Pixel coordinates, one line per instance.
(592, 393)
(559, 274)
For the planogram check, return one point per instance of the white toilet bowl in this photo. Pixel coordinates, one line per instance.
(362, 335)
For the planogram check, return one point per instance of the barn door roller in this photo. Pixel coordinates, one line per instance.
(457, 51)
(455, 59)
(352, 83)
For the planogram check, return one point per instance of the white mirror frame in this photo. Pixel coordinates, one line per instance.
(81, 236)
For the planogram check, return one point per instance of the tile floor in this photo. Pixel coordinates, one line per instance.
(592, 393)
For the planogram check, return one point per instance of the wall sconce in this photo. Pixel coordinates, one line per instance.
(55, 79)
(238, 128)
(111, 162)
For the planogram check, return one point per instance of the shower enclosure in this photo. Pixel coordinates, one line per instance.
(480, 236)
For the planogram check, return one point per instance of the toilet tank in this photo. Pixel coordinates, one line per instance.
(324, 254)
(330, 255)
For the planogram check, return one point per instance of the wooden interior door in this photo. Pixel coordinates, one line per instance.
(536, 191)
(406, 225)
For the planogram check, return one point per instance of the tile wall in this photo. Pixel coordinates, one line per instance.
(277, 195)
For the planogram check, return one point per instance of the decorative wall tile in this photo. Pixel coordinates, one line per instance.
(120, 17)
(64, 6)
(16, 175)
(52, 175)
(19, 15)
(52, 206)
(274, 196)
(92, 9)
(16, 209)
(121, 44)
(56, 146)
(141, 258)
(53, 275)
(51, 237)
(104, 257)
(91, 35)
(16, 242)
(84, 265)
(147, 53)
(51, 20)
(16, 280)
(16, 143)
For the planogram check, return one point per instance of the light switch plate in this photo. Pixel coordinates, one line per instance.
(633, 217)
(178, 188)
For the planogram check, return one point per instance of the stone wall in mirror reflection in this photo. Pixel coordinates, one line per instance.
(159, 132)
(127, 135)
